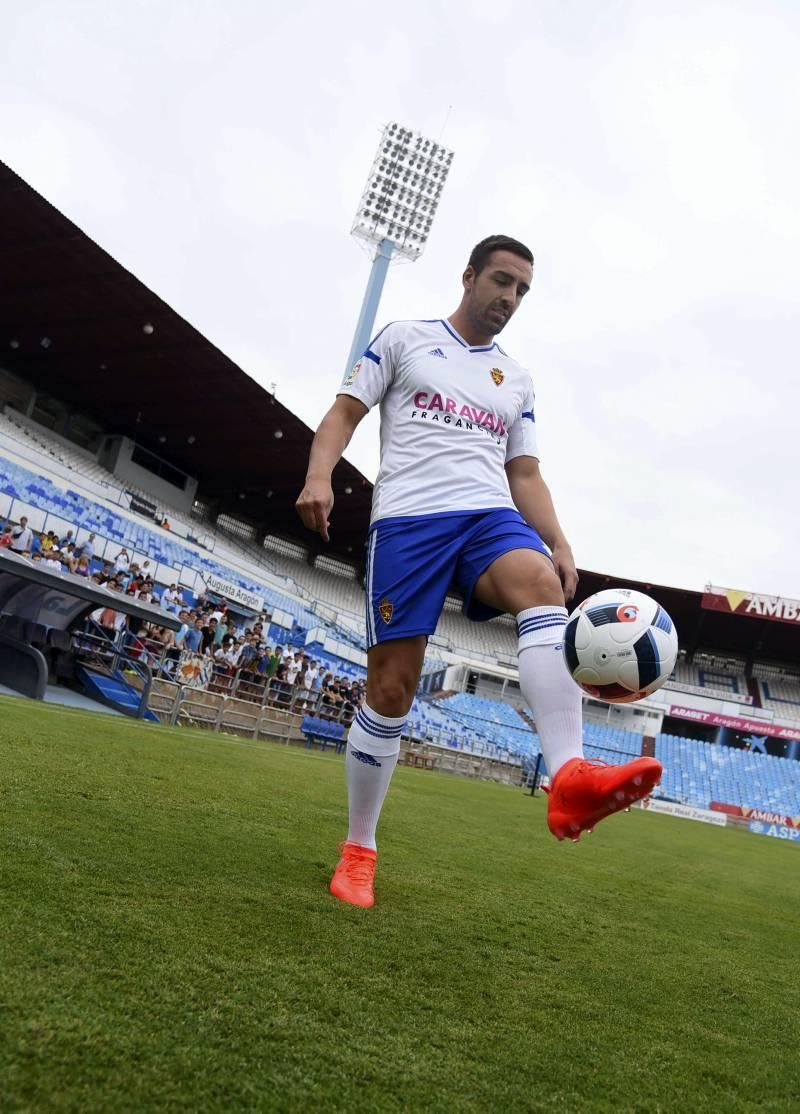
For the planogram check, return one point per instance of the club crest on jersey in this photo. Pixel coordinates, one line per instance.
(386, 610)
(351, 375)
(497, 376)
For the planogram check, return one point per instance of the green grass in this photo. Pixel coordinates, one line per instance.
(167, 941)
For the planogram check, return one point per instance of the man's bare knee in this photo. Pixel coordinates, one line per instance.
(390, 692)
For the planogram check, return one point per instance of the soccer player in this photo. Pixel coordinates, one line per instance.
(459, 499)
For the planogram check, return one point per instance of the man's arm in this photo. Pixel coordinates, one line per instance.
(315, 501)
(532, 499)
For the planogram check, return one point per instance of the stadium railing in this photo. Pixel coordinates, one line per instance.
(100, 654)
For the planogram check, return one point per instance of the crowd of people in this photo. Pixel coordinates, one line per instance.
(233, 657)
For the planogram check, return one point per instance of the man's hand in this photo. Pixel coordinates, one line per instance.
(565, 567)
(314, 505)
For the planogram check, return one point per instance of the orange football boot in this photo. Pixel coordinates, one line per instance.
(586, 791)
(355, 870)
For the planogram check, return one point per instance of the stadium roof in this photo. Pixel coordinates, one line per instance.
(76, 317)
(736, 635)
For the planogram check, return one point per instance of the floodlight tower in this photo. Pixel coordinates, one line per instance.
(396, 212)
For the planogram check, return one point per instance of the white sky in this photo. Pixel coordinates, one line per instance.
(647, 152)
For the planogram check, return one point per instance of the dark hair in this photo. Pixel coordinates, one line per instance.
(480, 254)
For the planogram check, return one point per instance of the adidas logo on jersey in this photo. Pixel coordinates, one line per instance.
(437, 352)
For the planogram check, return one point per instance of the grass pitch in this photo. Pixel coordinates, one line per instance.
(167, 941)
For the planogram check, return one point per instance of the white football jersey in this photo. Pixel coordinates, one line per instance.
(451, 416)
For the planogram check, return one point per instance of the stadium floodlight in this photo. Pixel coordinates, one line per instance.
(396, 211)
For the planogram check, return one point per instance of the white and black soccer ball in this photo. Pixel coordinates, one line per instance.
(620, 645)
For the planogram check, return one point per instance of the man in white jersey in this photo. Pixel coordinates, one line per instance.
(459, 499)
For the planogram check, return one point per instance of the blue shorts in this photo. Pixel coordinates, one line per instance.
(412, 562)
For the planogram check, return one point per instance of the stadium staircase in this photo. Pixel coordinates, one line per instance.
(114, 691)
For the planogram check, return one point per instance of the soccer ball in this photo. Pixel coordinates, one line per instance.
(620, 645)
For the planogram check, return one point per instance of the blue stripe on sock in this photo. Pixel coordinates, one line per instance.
(378, 730)
(364, 714)
(375, 734)
(541, 622)
(526, 628)
(543, 618)
(376, 723)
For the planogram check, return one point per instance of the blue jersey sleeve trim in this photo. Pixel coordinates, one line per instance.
(528, 414)
(371, 356)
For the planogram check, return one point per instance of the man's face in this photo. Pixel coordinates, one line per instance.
(23, 522)
(494, 295)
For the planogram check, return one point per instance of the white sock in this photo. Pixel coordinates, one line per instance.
(554, 697)
(373, 747)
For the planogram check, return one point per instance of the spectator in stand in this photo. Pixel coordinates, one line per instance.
(292, 670)
(280, 687)
(209, 634)
(145, 595)
(68, 539)
(5, 537)
(221, 631)
(79, 566)
(22, 537)
(47, 540)
(174, 644)
(89, 546)
(350, 702)
(123, 560)
(332, 698)
(159, 642)
(193, 640)
(312, 676)
(180, 635)
(169, 599)
(274, 661)
(247, 654)
(51, 559)
(108, 618)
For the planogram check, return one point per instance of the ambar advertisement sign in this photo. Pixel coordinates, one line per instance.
(738, 601)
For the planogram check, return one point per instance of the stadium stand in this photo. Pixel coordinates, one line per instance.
(22, 441)
(697, 773)
(779, 690)
(718, 677)
(340, 590)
